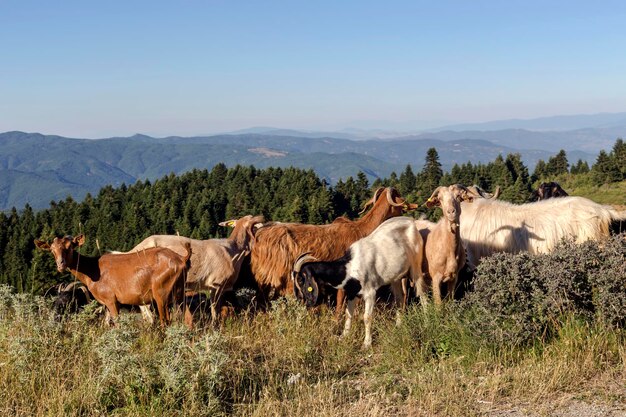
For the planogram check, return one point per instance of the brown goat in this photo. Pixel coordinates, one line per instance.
(134, 279)
(278, 245)
(215, 263)
(444, 253)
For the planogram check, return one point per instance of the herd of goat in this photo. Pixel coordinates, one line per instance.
(334, 262)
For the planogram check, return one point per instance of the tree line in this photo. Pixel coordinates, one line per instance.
(192, 204)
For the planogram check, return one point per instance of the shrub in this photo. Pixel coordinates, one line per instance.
(609, 283)
(518, 298)
(191, 370)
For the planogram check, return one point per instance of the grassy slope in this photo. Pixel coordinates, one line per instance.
(606, 194)
(290, 362)
(582, 185)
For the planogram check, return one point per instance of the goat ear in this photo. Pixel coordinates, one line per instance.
(40, 244)
(228, 223)
(433, 202)
(79, 240)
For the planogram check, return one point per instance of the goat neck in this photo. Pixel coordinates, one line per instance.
(380, 212)
(453, 227)
(84, 268)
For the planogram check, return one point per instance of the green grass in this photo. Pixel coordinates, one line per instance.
(582, 185)
(290, 361)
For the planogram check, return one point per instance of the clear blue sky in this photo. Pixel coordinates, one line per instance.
(95, 69)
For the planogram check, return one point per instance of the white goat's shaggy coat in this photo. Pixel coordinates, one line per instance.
(489, 226)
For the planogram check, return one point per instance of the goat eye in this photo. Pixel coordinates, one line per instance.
(310, 289)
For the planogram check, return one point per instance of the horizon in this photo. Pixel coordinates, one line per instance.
(162, 69)
(367, 133)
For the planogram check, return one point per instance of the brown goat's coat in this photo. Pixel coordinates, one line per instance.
(278, 245)
(155, 275)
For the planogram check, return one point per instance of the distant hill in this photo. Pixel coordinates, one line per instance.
(588, 140)
(588, 132)
(552, 123)
(36, 168)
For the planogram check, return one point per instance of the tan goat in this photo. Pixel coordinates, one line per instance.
(214, 263)
(444, 253)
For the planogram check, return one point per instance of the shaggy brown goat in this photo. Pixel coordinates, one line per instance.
(135, 279)
(278, 245)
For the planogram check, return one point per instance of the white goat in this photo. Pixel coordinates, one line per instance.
(214, 263)
(489, 226)
(392, 251)
(444, 253)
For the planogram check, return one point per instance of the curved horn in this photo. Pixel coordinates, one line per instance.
(372, 200)
(476, 190)
(390, 200)
(302, 259)
(71, 286)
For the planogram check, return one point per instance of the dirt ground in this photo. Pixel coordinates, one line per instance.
(567, 407)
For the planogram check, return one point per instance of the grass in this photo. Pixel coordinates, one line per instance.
(583, 186)
(290, 361)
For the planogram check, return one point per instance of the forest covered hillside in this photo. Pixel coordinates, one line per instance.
(36, 169)
(192, 204)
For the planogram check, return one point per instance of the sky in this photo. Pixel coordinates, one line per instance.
(116, 68)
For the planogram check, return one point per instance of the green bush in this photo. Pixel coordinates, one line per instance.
(519, 298)
(609, 283)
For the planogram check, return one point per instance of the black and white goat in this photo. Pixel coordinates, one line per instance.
(391, 252)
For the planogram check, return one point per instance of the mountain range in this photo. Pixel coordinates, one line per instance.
(37, 169)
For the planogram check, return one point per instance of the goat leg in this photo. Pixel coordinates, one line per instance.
(349, 315)
(367, 318)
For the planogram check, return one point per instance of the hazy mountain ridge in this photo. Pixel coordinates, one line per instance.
(588, 132)
(36, 168)
(551, 123)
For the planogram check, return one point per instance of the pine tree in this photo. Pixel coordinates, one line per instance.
(520, 190)
(618, 154)
(407, 181)
(540, 170)
(605, 170)
(557, 164)
(581, 167)
(499, 174)
(431, 175)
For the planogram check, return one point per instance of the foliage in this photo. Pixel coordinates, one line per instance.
(291, 361)
(610, 167)
(519, 298)
(194, 203)
(581, 167)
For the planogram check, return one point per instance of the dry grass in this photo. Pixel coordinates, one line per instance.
(290, 361)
